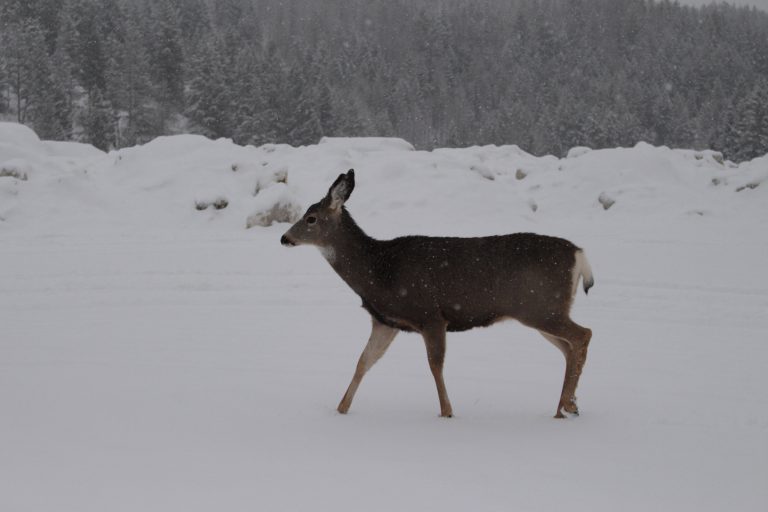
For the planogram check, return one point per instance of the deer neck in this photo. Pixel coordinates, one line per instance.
(352, 254)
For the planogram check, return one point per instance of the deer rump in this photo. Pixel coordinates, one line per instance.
(472, 282)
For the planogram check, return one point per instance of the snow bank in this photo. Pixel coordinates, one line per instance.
(71, 150)
(189, 181)
(16, 168)
(19, 141)
(44, 183)
(274, 204)
(367, 144)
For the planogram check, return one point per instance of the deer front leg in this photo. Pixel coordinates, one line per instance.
(434, 338)
(378, 343)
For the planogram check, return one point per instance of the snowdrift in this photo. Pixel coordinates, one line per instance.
(189, 181)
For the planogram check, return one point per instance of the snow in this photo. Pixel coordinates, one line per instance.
(367, 144)
(157, 357)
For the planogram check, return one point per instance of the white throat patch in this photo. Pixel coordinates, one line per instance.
(328, 253)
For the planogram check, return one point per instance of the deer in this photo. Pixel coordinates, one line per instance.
(434, 285)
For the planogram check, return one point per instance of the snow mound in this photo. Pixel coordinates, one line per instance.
(367, 144)
(275, 204)
(266, 179)
(72, 149)
(191, 182)
(19, 141)
(752, 175)
(16, 168)
(577, 151)
(606, 200)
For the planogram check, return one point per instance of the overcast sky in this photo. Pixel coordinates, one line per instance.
(763, 4)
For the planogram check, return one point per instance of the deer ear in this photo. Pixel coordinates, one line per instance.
(341, 189)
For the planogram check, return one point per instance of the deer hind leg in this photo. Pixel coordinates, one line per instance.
(434, 339)
(566, 402)
(573, 341)
(378, 343)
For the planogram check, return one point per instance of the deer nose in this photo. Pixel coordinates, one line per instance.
(286, 241)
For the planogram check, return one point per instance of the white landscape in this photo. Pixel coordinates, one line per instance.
(159, 357)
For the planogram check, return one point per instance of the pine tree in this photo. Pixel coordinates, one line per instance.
(271, 117)
(98, 122)
(250, 116)
(209, 100)
(194, 19)
(748, 134)
(166, 56)
(4, 85)
(65, 85)
(84, 42)
(44, 13)
(48, 114)
(26, 65)
(299, 111)
(128, 84)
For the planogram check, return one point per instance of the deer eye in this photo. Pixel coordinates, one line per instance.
(311, 219)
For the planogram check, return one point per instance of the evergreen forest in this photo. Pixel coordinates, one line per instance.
(546, 75)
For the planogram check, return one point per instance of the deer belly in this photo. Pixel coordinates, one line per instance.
(459, 318)
(391, 317)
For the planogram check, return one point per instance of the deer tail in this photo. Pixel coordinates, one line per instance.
(582, 270)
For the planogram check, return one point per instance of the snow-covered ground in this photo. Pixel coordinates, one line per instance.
(159, 357)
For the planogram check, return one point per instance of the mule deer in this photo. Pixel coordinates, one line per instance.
(431, 285)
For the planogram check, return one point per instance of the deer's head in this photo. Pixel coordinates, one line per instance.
(323, 219)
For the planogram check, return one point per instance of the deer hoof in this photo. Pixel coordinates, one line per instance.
(560, 415)
(571, 407)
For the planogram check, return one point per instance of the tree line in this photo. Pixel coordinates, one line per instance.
(546, 75)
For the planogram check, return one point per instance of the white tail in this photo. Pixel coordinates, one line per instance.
(582, 270)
